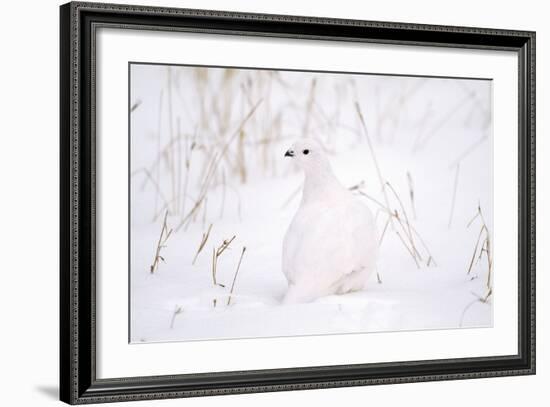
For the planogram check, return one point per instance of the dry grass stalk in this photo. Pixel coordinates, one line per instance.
(410, 233)
(192, 213)
(204, 239)
(148, 176)
(466, 308)
(411, 193)
(381, 206)
(164, 157)
(216, 253)
(431, 260)
(410, 250)
(357, 186)
(484, 237)
(165, 233)
(469, 150)
(135, 105)
(479, 299)
(489, 256)
(205, 210)
(477, 105)
(444, 119)
(189, 148)
(235, 276)
(410, 247)
(454, 195)
(394, 108)
(218, 108)
(179, 169)
(177, 311)
(384, 231)
(171, 158)
(166, 206)
(212, 167)
(487, 294)
(215, 267)
(309, 106)
(159, 153)
(165, 151)
(225, 187)
(422, 122)
(373, 155)
(476, 249)
(241, 158)
(225, 244)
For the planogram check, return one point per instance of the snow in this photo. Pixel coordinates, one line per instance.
(418, 126)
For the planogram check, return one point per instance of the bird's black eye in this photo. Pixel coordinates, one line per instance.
(306, 151)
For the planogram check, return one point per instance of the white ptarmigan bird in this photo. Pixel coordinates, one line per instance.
(331, 245)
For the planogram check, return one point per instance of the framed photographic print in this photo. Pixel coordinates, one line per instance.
(255, 203)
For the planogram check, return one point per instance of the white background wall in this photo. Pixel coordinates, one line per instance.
(29, 163)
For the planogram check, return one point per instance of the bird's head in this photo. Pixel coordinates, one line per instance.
(308, 154)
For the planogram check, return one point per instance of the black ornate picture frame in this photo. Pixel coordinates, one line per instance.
(78, 381)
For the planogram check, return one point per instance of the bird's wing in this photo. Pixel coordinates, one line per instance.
(329, 242)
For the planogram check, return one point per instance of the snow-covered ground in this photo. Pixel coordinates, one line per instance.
(218, 137)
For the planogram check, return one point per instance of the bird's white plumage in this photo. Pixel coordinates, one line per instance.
(331, 244)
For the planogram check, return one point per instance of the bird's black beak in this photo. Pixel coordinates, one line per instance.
(289, 153)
